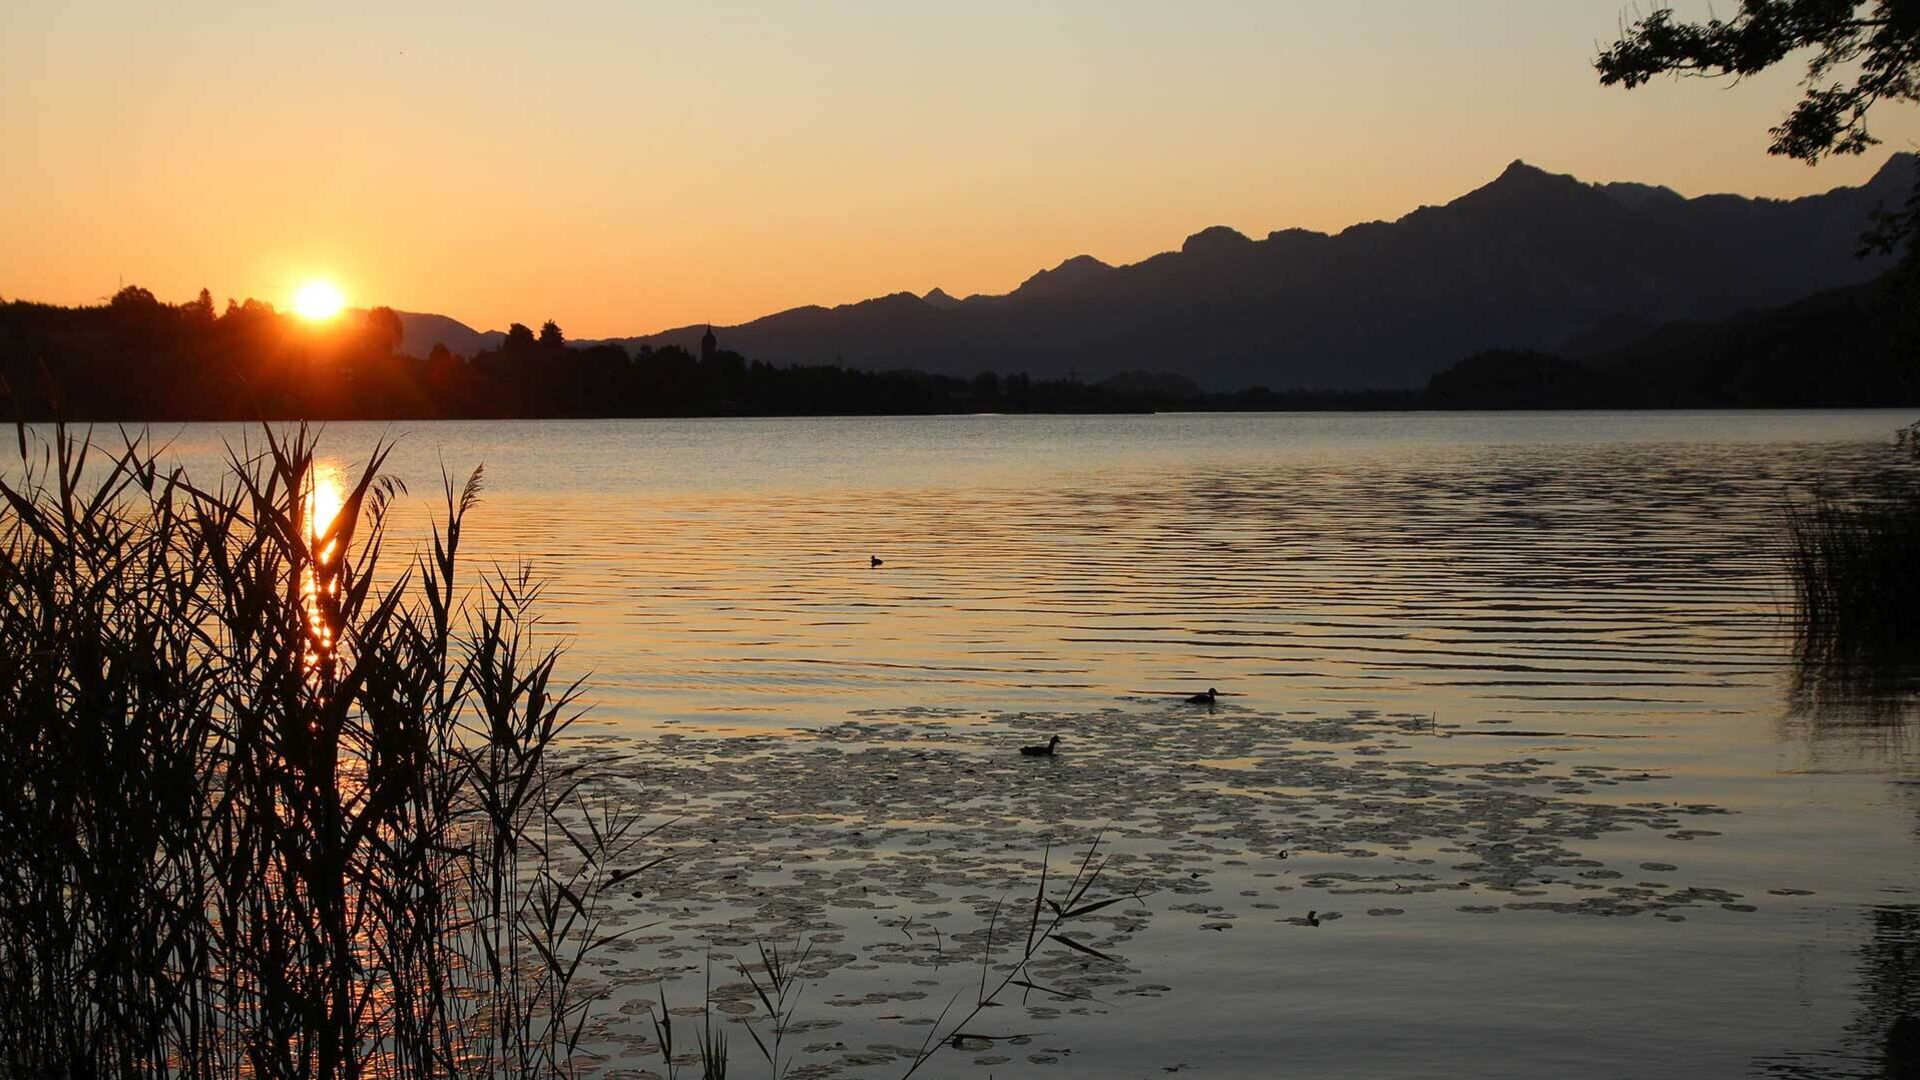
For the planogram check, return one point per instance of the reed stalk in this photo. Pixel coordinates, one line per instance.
(269, 809)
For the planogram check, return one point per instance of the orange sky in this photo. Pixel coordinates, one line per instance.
(623, 167)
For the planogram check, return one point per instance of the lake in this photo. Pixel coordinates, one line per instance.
(1507, 702)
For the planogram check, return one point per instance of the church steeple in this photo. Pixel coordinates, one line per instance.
(708, 344)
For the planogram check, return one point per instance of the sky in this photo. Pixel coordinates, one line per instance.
(623, 168)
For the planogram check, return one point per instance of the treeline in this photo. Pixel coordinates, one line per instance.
(1851, 347)
(136, 358)
(139, 359)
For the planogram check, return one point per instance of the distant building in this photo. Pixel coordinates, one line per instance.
(708, 345)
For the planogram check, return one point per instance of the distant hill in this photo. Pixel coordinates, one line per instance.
(1854, 345)
(1857, 345)
(1531, 261)
(422, 332)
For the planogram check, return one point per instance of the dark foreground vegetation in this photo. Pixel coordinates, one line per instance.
(1854, 559)
(138, 359)
(1856, 597)
(270, 808)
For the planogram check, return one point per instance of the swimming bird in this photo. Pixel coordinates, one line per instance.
(1204, 699)
(1041, 751)
(874, 562)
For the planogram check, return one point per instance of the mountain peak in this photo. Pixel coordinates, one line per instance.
(1899, 169)
(1524, 184)
(1216, 239)
(1069, 276)
(1081, 264)
(1520, 176)
(939, 298)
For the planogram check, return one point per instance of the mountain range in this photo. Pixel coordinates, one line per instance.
(1532, 260)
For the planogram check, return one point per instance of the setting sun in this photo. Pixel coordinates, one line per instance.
(318, 300)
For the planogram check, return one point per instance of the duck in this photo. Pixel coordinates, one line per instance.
(875, 562)
(1041, 751)
(1204, 699)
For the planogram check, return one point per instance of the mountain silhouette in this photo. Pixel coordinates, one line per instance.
(421, 332)
(1530, 261)
(1074, 277)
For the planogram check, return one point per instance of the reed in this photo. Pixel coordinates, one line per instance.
(1854, 564)
(269, 809)
(778, 985)
(1047, 923)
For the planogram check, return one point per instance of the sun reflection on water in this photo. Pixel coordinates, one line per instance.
(320, 582)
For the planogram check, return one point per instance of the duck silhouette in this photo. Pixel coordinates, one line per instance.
(1041, 751)
(875, 562)
(1204, 699)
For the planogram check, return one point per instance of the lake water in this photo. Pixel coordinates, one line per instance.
(1506, 701)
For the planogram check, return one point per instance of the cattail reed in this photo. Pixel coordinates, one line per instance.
(1854, 564)
(265, 810)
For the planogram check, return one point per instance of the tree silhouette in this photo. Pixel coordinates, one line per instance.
(134, 298)
(384, 331)
(1864, 52)
(551, 337)
(519, 340)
